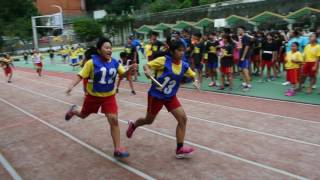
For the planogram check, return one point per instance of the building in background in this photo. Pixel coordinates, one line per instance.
(70, 7)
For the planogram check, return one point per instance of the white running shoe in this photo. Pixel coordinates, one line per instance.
(286, 83)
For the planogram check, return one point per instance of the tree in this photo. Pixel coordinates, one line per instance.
(15, 18)
(162, 5)
(87, 29)
(115, 6)
(195, 3)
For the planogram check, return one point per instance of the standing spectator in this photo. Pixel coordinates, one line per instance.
(156, 46)
(197, 50)
(292, 65)
(244, 58)
(268, 55)
(211, 57)
(311, 59)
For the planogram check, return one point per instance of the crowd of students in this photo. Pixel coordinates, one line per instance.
(220, 56)
(223, 55)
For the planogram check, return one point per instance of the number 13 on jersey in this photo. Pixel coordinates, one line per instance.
(168, 85)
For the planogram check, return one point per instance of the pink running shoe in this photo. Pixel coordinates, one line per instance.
(290, 93)
(70, 113)
(130, 129)
(184, 152)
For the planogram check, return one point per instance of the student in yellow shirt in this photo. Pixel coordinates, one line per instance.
(311, 59)
(293, 62)
(73, 57)
(64, 54)
(170, 72)
(101, 70)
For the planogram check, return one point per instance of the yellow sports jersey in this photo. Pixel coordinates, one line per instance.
(88, 72)
(158, 65)
(64, 52)
(128, 50)
(212, 49)
(196, 50)
(297, 56)
(148, 50)
(74, 54)
(311, 53)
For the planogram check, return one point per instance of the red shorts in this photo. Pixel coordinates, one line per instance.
(266, 63)
(92, 104)
(7, 71)
(307, 69)
(39, 65)
(155, 104)
(255, 58)
(292, 76)
(225, 70)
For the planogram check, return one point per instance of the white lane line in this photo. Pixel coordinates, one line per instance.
(95, 150)
(245, 96)
(9, 168)
(237, 127)
(280, 171)
(211, 104)
(212, 92)
(218, 123)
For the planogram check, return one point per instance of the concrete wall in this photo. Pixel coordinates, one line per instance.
(222, 10)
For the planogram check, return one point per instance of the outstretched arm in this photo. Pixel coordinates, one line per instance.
(74, 83)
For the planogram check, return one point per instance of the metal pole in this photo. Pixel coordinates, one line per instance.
(60, 16)
(34, 31)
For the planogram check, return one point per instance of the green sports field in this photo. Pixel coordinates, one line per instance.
(271, 90)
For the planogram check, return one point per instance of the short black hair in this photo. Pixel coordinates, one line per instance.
(176, 32)
(101, 41)
(296, 33)
(227, 30)
(296, 43)
(89, 52)
(213, 33)
(228, 38)
(186, 31)
(174, 45)
(123, 55)
(154, 33)
(198, 35)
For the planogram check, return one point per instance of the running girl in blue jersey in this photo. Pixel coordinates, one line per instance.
(170, 72)
(101, 70)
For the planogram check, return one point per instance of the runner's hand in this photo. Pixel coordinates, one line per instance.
(196, 84)
(68, 91)
(147, 73)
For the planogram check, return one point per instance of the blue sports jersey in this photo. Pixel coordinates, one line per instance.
(104, 74)
(169, 80)
(137, 44)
